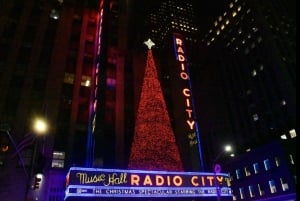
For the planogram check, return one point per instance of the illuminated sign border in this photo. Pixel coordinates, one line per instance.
(97, 182)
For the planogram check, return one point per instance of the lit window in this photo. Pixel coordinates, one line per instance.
(256, 168)
(222, 27)
(69, 78)
(291, 159)
(272, 186)
(111, 82)
(54, 14)
(85, 81)
(233, 14)
(267, 164)
(240, 31)
(277, 161)
(284, 137)
(283, 102)
(242, 193)
(254, 73)
(261, 67)
(251, 191)
(230, 5)
(260, 189)
(255, 117)
(220, 18)
(293, 133)
(239, 8)
(218, 32)
(238, 173)
(227, 21)
(247, 171)
(284, 184)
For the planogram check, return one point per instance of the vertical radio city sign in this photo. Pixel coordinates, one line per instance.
(186, 127)
(98, 182)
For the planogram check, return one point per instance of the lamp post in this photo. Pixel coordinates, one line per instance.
(217, 168)
(39, 128)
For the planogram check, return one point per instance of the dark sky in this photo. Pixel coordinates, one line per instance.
(207, 11)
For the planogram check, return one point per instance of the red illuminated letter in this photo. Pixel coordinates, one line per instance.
(135, 179)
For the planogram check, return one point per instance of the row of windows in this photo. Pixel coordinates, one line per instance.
(255, 168)
(253, 191)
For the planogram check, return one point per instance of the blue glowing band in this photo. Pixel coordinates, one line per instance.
(96, 182)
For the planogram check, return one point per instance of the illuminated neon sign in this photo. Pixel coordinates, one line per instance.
(95, 182)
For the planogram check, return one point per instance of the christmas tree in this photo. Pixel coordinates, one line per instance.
(154, 146)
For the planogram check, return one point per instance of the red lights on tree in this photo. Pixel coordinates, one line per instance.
(154, 146)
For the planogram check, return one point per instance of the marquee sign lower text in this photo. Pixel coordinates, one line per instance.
(96, 182)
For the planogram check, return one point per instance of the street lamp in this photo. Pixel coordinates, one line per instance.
(217, 167)
(39, 128)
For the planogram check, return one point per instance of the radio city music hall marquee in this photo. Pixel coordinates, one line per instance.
(96, 182)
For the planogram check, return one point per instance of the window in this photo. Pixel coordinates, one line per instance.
(238, 173)
(256, 168)
(272, 186)
(291, 159)
(284, 184)
(242, 193)
(277, 161)
(251, 191)
(58, 159)
(260, 189)
(267, 164)
(247, 171)
(293, 133)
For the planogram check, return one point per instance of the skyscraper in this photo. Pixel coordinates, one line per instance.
(251, 50)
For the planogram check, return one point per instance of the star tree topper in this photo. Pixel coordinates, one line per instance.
(149, 43)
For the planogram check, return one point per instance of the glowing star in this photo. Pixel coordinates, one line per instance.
(149, 43)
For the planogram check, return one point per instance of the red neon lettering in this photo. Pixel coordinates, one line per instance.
(188, 102)
(186, 92)
(220, 179)
(181, 57)
(189, 111)
(159, 180)
(177, 180)
(210, 179)
(135, 179)
(147, 181)
(203, 181)
(178, 41)
(191, 124)
(193, 181)
(184, 75)
(180, 50)
(182, 67)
